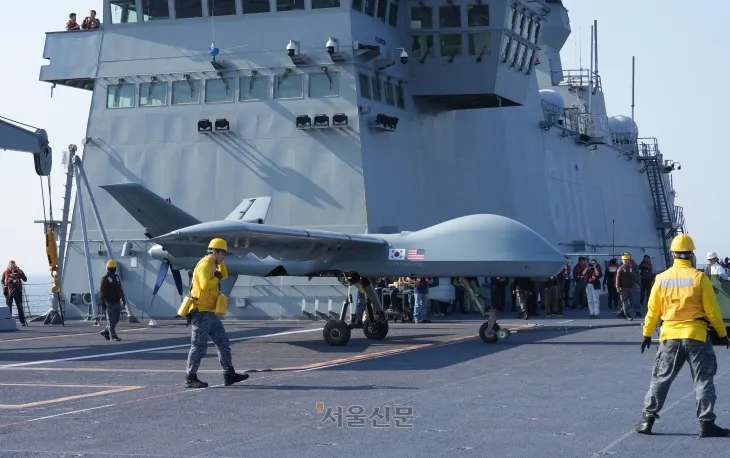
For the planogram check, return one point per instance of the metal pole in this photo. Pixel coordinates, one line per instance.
(80, 168)
(595, 33)
(590, 78)
(80, 203)
(633, 86)
(66, 209)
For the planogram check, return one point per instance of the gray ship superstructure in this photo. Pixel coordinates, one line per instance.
(314, 104)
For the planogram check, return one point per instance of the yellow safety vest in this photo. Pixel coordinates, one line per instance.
(685, 301)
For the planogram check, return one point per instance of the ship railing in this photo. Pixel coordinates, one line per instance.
(594, 126)
(578, 78)
(581, 78)
(567, 119)
(649, 147)
(679, 215)
(623, 142)
(574, 121)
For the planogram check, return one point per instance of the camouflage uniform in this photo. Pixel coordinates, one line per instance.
(670, 359)
(207, 324)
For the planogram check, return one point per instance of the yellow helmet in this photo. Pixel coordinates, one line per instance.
(111, 264)
(625, 256)
(682, 243)
(218, 244)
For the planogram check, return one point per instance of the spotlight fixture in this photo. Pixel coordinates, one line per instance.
(204, 125)
(221, 125)
(321, 121)
(303, 122)
(339, 120)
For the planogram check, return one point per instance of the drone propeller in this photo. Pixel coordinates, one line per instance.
(162, 274)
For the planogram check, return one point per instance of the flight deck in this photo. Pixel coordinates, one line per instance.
(568, 387)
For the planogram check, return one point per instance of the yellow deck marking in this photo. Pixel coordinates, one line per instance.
(115, 389)
(349, 359)
(24, 339)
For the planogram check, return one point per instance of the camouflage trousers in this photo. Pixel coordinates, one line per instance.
(669, 360)
(206, 324)
(627, 301)
(113, 312)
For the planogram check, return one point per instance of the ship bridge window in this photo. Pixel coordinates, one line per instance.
(221, 7)
(450, 16)
(480, 44)
(256, 6)
(517, 23)
(120, 95)
(357, 5)
(377, 92)
(511, 18)
(393, 14)
(370, 7)
(364, 81)
(422, 45)
(319, 4)
(520, 54)
(290, 85)
(289, 5)
(534, 32)
(123, 11)
(421, 17)
(325, 84)
(399, 99)
(450, 45)
(153, 94)
(220, 90)
(254, 88)
(185, 92)
(389, 97)
(155, 10)
(382, 9)
(478, 15)
(186, 9)
(526, 27)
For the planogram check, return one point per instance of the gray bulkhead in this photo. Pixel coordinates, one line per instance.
(467, 139)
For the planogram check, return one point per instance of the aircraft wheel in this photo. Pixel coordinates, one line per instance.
(336, 333)
(376, 330)
(503, 334)
(486, 336)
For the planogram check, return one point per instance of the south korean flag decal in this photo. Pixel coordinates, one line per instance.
(396, 254)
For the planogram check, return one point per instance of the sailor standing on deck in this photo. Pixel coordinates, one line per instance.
(715, 267)
(111, 296)
(204, 292)
(684, 299)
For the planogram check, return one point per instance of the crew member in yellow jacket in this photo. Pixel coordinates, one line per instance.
(684, 299)
(205, 292)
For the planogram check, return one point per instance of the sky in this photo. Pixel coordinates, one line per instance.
(669, 61)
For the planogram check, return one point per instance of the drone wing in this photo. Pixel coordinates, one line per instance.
(263, 240)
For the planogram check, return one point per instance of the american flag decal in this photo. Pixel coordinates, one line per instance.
(416, 254)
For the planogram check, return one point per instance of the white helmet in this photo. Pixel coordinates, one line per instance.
(711, 255)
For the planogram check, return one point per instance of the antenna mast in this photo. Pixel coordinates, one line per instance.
(595, 34)
(590, 79)
(633, 87)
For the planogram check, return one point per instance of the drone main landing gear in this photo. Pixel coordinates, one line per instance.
(490, 331)
(375, 323)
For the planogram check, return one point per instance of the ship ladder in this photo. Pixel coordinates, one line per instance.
(662, 209)
(53, 316)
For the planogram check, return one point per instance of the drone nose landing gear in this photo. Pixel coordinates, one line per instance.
(375, 323)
